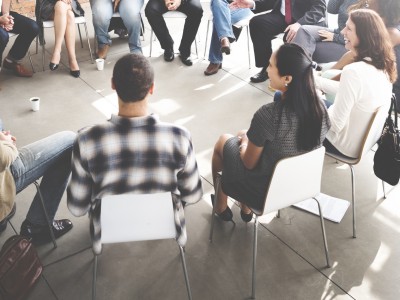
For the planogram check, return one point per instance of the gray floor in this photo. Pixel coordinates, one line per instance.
(291, 258)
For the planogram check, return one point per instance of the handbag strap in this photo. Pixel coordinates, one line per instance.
(393, 106)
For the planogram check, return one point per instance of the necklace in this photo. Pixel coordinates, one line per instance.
(366, 4)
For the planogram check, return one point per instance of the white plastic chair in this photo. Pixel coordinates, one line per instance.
(371, 137)
(241, 24)
(119, 212)
(78, 21)
(10, 35)
(171, 15)
(294, 179)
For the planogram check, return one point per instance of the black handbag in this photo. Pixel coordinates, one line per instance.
(387, 156)
(20, 268)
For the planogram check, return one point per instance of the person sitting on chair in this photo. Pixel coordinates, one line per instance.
(223, 32)
(194, 12)
(295, 123)
(49, 159)
(102, 11)
(134, 152)
(27, 30)
(283, 18)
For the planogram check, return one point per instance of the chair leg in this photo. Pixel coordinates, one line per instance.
(278, 215)
(151, 42)
(195, 44)
(253, 282)
(185, 272)
(88, 42)
(353, 200)
(205, 42)
(30, 60)
(383, 187)
(80, 35)
(94, 277)
(217, 186)
(49, 222)
(328, 264)
(43, 56)
(248, 45)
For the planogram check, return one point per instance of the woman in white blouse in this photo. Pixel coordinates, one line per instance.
(364, 85)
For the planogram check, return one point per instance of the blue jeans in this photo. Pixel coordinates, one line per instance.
(49, 158)
(102, 11)
(223, 18)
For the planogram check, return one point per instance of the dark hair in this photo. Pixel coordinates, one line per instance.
(301, 96)
(389, 10)
(374, 41)
(132, 77)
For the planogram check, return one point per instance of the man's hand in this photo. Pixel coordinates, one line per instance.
(7, 22)
(172, 4)
(291, 31)
(241, 4)
(326, 35)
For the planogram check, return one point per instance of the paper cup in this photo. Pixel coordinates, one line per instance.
(100, 64)
(35, 103)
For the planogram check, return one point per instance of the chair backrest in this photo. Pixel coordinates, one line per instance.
(374, 130)
(294, 179)
(137, 217)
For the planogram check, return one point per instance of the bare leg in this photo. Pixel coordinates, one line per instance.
(70, 41)
(222, 198)
(60, 24)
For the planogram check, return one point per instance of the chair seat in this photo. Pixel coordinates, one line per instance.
(343, 158)
(174, 14)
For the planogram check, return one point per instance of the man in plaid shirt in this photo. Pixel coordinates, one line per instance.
(134, 152)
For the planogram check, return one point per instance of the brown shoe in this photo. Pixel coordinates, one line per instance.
(225, 46)
(212, 69)
(102, 52)
(17, 68)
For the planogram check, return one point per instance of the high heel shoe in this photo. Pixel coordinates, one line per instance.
(246, 217)
(76, 73)
(53, 66)
(226, 215)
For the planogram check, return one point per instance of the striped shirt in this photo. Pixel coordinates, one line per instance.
(132, 155)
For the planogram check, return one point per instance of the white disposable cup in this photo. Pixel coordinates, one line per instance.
(100, 64)
(35, 103)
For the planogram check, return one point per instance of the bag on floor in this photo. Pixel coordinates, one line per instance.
(387, 157)
(20, 268)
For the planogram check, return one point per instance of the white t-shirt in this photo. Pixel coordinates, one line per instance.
(362, 89)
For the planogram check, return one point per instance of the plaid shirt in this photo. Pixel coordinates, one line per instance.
(132, 155)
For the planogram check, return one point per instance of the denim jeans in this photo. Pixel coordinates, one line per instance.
(102, 11)
(27, 29)
(49, 158)
(223, 18)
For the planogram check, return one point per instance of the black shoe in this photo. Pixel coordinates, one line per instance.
(260, 77)
(246, 217)
(3, 223)
(53, 67)
(75, 74)
(169, 54)
(226, 215)
(41, 234)
(186, 60)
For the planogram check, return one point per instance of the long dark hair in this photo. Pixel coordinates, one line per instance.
(374, 41)
(301, 96)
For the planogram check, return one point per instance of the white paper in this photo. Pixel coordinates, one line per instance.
(333, 209)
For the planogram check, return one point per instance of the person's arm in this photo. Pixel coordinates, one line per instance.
(5, 7)
(394, 35)
(250, 153)
(79, 190)
(345, 60)
(315, 14)
(189, 181)
(346, 98)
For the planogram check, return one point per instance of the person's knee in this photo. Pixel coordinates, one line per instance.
(219, 145)
(60, 7)
(151, 11)
(70, 17)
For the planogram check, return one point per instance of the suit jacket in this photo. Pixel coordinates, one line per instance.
(304, 12)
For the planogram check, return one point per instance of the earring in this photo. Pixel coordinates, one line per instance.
(286, 84)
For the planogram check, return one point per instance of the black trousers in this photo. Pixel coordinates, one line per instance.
(191, 8)
(263, 29)
(27, 29)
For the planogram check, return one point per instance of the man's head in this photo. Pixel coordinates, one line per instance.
(133, 77)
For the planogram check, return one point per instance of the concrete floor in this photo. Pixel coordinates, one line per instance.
(291, 258)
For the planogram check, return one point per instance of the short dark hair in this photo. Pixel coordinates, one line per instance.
(132, 77)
